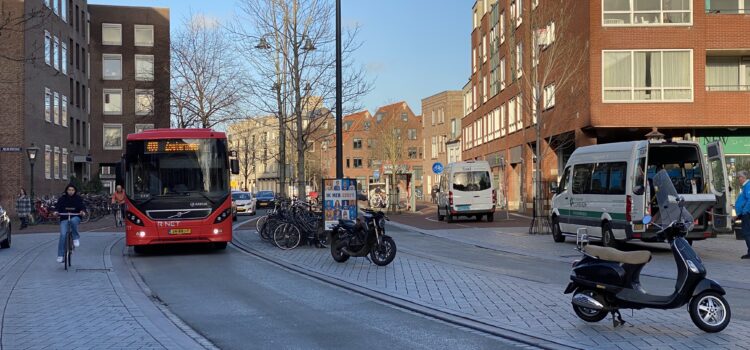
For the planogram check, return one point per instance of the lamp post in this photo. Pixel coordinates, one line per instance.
(339, 117)
(31, 153)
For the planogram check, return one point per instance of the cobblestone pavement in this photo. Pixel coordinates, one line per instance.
(527, 307)
(86, 307)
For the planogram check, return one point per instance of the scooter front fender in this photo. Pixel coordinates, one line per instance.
(571, 288)
(708, 285)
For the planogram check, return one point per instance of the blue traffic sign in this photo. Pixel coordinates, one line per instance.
(437, 168)
(376, 174)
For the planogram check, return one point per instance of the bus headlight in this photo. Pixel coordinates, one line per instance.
(134, 219)
(223, 216)
(141, 234)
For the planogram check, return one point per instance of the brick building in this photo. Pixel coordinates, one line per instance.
(441, 124)
(130, 80)
(44, 91)
(679, 66)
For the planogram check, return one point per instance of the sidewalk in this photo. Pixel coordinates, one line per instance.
(96, 304)
(513, 304)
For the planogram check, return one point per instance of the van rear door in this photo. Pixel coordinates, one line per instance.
(720, 187)
(640, 189)
(472, 189)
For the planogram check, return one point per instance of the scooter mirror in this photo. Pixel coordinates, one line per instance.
(647, 219)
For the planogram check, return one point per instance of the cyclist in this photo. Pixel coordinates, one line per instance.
(118, 200)
(72, 203)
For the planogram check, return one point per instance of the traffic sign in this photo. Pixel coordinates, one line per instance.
(376, 174)
(437, 168)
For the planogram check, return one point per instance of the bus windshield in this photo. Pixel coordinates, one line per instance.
(177, 167)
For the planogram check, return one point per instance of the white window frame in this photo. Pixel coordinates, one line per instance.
(64, 166)
(64, 57)
(48, 48)
(502, 120)
(502, 27)
(64, 110)
(111, 56)
(143, 26)
(632, 14)
(662, 88)
(64, 10)
(153, 101)
(484, 48)
(502, 74)
(48, 105)
(141, 76)
(47, 162)
(104, 138)
(56, 53)
(56, 108)
(519, 60)
(549, 96)
(117, 26)
(56, 163)
(104, 101)
(474, 60)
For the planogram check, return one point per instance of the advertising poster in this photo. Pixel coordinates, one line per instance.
(339, 201)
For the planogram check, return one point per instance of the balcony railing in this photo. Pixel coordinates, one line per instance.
(727, 87)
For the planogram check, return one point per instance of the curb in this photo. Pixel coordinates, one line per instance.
(520, 336)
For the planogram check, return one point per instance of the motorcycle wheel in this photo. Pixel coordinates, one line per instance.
(710, 312)
(384, 253)
(338, 255)
(586, 314)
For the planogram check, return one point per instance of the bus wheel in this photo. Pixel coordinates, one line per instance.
(140, 249)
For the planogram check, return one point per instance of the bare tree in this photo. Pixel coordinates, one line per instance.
(389, 145)
(290, 46)
(207, 87)
(248, 157)
(558, 52)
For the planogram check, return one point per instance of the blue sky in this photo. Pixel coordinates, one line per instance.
(412, 48)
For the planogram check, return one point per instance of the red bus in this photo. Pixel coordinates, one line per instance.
(177, 187)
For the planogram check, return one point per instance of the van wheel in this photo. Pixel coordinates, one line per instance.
(608, 237)
(440, 217)
(490, 217)
(557, 234)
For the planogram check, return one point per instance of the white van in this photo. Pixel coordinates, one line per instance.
(466, 189)
(608, 189)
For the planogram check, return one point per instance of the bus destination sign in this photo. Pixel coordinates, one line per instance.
(170, 147)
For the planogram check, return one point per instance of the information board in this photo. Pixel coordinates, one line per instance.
(339, 201)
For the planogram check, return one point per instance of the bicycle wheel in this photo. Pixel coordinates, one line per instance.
(266, 231)
(68, 248)
(287, 236)
(259, 224)
(86, 218)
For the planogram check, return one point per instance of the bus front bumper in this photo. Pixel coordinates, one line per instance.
(139, 235)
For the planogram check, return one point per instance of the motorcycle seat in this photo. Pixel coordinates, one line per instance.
(637, 257)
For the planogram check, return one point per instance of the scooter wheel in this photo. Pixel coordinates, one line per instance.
(710, 312)
(586, 314)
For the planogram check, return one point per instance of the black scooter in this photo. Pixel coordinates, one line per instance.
(365, 236)
(607, 280)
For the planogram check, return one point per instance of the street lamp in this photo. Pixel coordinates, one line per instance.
(31, 153)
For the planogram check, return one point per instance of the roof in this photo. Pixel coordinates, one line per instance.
(177, 134)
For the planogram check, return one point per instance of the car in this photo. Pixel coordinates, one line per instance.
(243, 202)
(5, 229)
(265, 199)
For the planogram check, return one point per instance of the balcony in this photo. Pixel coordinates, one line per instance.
(728, 73)
(728, 7)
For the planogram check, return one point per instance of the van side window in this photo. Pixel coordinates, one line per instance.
(564, 181)
(582, 178)
(617, 177)
(599, 179)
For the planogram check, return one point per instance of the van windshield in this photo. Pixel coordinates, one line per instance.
(472, 181)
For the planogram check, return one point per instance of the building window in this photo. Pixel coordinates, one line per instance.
(379, 117)
(357, 162)
(648, 12)
(112, 67)
(56, 108)
(144, 67)
(397, 133)
(728, 73)
(370, 143)
(473, 60)
(111, 34)
(56, 163)
(413, 153)
(144, 102)
(112, 136)
(434, 148)
(112, 101)
(516, 11)
(412, 134)
(519, 60)
(367, 125)
(728, 6)
(64, 110)
(647, 76)
(47, 105)
(142, 127)
(549, 96)
(47, 162)
(144, 35)
(405, 117)
(484, 48)
(357, 144)
(47, 48)
(56, 53)
(433, 117)
(64, 166)
(64, 10)
(348, 163)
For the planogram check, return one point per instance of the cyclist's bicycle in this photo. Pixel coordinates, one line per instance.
(68, 241)
(117, 208)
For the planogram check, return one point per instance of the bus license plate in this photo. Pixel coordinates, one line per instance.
(463, 207)
(179, 231)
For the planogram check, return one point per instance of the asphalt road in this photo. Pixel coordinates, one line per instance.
(239, 301)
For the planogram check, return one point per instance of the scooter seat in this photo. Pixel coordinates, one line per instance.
(637, 257)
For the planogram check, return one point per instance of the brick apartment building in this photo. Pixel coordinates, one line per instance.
(680, 66)
(363, 138)
(47, 75)
(130, 85)
(441, 123)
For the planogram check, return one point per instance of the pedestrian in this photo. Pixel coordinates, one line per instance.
(71, 203)
(23, 208)
(742, 208)
(118, 202)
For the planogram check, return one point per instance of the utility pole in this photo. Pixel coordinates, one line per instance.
(339, 112)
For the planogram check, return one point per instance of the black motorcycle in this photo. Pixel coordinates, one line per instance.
(607, 280)
(364, 236)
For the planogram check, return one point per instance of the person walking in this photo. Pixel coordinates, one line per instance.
(70, 203)
(23, 208)
(742, 208)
